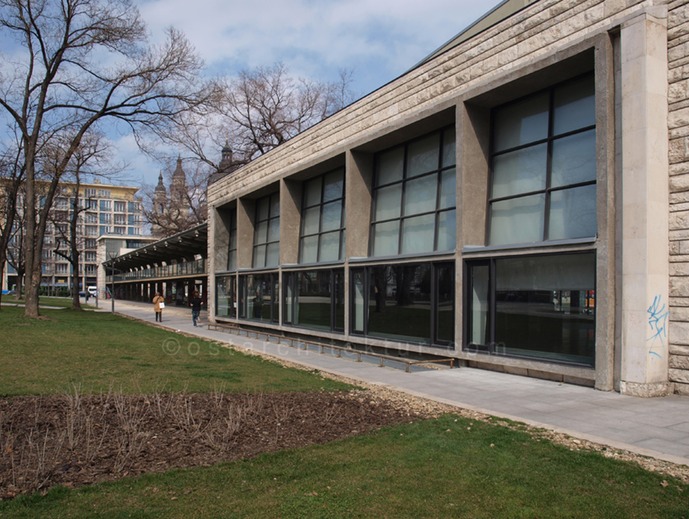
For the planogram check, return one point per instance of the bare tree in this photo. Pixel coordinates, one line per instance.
(11, 177)
(88, 159)
(78, 64)
(253, 113)
(15, 244)
(266, 107)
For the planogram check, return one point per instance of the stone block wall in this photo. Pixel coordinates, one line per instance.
(678, 83)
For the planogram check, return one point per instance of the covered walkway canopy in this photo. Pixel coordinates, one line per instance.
(175, 266)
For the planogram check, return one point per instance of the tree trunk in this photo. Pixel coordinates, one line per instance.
(74, 249)
(31, 302)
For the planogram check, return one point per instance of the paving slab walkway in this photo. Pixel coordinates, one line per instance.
(655, 427)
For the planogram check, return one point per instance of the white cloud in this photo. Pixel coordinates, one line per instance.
(377, 39)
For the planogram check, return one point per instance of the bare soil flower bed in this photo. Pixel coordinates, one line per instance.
(76, 440)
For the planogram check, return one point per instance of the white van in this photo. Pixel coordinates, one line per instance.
(93, 291)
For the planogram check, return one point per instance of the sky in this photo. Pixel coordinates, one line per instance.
(377, 40)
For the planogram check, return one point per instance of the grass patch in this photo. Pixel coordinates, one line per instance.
(449, 467)
(101, 351)
(44, 301)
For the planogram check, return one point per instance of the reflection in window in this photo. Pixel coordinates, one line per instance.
(267, 232)
(415, 197)
(314, 299)
(543, 184)
(225, 294)
(405, 302)
(541, 306)
(322, 224)
(258, 297)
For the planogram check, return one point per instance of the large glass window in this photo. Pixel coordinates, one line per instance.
(226, 296)
(315, 299)
(258, 295)
(544, 166)
(404, 302)
(267, 232)
(322, 219)
(533, 306)
(415, 197)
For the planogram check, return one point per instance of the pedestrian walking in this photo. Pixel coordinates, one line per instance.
(158, 305)
(195, 304)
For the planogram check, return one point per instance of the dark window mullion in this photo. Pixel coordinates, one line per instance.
(571, 186)
(340, 252)
(320, 219)
(549, 164)
(434, 305)
(333, 300)
(400, 231)
(438, 187)
(492, 285)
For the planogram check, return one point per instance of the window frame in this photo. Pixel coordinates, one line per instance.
(264, 240)
(289, 284)
(491, 346)
(549, 141)
(402, 218)
(340, 229)
(433, 340)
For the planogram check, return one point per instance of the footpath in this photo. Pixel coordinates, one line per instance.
(654, 427)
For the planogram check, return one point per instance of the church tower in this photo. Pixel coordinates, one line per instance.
(160, 203)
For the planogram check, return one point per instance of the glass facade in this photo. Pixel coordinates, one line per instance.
(412, 303)
(414, 197)
(544, 166)
(258, 297)
(533, 306)
(322, 219)
(541, 187)
(314, 299)
(267, 232)
(226, 296)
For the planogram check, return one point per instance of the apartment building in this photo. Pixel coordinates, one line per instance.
(104, 210)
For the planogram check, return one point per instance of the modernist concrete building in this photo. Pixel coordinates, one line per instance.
(518, 201)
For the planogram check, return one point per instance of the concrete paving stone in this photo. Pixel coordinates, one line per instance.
(660, 419)
(683, 427)
(572, 426)
(660, 445)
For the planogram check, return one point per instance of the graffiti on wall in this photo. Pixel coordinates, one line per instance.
(657, 320)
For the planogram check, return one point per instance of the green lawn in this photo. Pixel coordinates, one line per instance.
(449, 467)
(100, 351)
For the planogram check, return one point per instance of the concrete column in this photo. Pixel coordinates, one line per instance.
(246, 211)
(290, 220)
(473, 138)
(645, 270)
(358, 186)
(606, 204)
(219, 223)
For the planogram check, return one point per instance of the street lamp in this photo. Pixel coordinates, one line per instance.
(112, 256)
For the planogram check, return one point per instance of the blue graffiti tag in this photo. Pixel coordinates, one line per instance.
(657, 320)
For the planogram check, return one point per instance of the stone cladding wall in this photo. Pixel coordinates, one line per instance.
(678, 105)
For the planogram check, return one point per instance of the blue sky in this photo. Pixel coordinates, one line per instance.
(377, 40)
